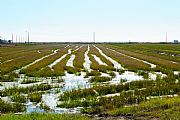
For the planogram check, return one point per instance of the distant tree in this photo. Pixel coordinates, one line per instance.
(9, 41)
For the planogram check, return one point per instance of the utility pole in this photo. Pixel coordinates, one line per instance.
(12, 37)
(16, 39)
(28, 37)
(19, 39)
(166, 37)
(94, 37)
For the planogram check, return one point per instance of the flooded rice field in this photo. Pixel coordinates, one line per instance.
(80, 79)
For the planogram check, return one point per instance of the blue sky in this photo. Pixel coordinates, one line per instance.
(76, 20)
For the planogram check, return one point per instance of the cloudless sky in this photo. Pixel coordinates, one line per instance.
(76, 20)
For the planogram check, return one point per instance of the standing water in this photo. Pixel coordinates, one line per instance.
(87, 62)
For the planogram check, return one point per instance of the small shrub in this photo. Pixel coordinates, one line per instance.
(18, 98)
(27, 81)
(6, 107)
(112, 74)
(100, 79)
(93, 73)
(35, 97)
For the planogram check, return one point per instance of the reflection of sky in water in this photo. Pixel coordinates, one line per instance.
(33, 108)
(98, 60)
(8, 85)
(87, 62)
(72, 81)
(70, 61)
(127, 75)
(50, 100)
(116, 64)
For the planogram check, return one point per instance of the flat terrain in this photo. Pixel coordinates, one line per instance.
(90, 81)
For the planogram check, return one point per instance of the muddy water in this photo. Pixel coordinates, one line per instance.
(8, 85)
(51, 100)
(70, 82)
(116, 64)
(98, 60)
(31, 107)
(154, 75)
(70, 61)
(176, 72)
(127, 76)
(58, 60)
(87, 62)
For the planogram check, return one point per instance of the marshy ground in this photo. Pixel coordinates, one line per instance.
(90, 81)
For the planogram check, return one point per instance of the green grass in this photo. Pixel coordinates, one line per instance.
(100, 79)
(27, 81)
(41, 69)
(155, 50)
(144, 55)
(133, 97)
(144, 74)
(18, 98)
(30, 89)
(125, 61)
(95, 65)
(112, 74)
(130, 93)
(79, 59)
(6, 107)
(59, 68)
(72, 70)
(36, 116)
(11, 77)
(163, 108)
(103, 90)
(96, 52)
(35, 97)
(21, 61)
(79, 103)
(93, 73)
